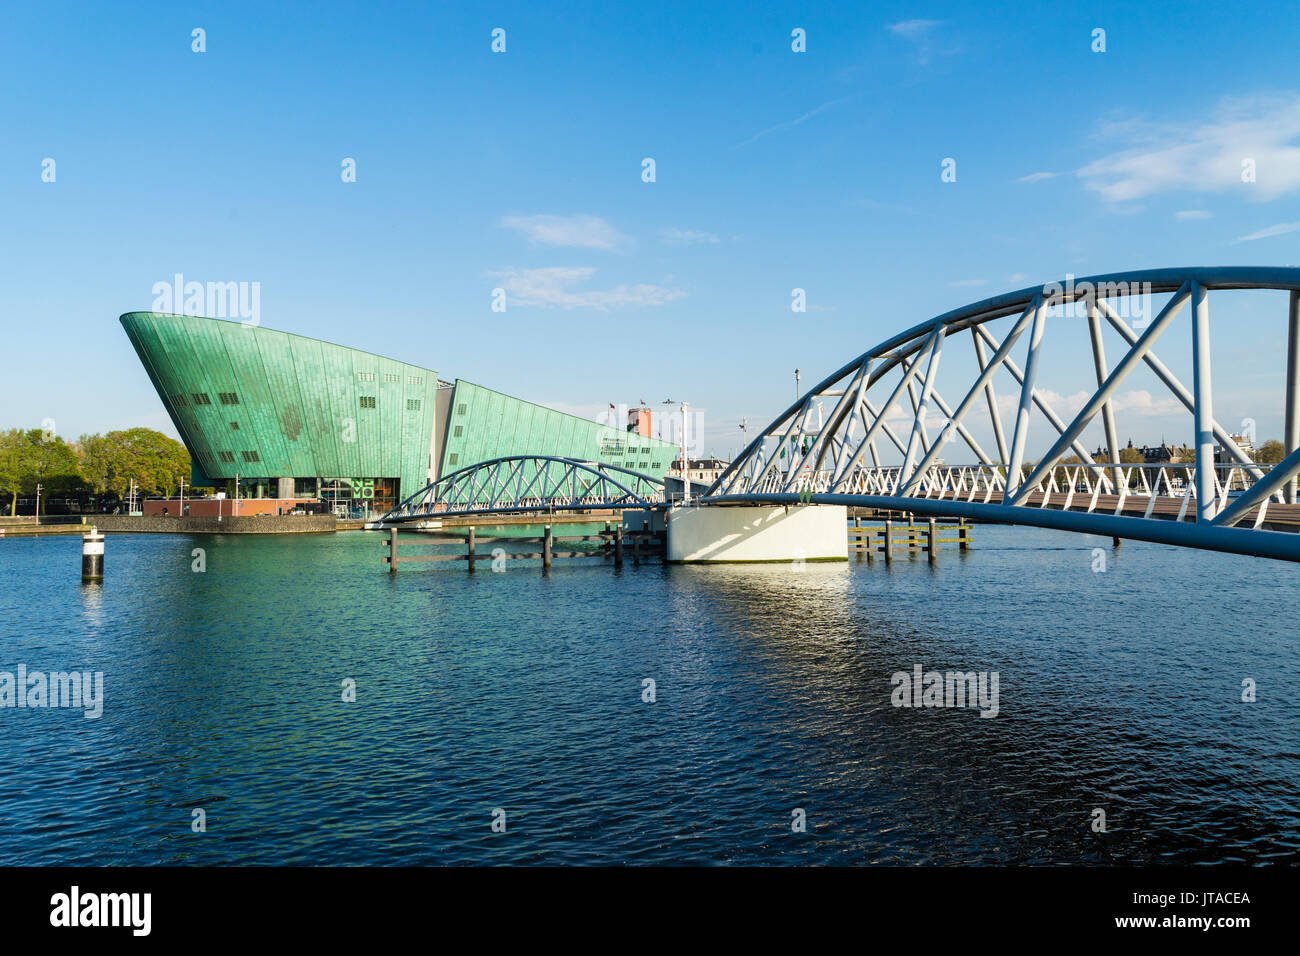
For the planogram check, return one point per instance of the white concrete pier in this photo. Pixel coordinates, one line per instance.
(758, 533)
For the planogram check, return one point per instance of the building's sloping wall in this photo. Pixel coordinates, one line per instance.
(305, 408)
(484, 424)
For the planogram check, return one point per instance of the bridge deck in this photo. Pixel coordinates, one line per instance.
(1278, 517)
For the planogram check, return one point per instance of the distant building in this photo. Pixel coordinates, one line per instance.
(1164, 454)
(701, 469)
(1221, 454)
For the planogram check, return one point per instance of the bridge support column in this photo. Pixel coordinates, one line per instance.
(1292, 435)
(758, 533)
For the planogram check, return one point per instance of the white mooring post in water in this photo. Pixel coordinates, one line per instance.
(92, 555)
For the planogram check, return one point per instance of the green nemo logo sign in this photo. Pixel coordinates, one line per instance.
(363, 487)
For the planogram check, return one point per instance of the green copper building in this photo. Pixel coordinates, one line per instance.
(294, 417)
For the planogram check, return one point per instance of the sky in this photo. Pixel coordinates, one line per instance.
(524, 170)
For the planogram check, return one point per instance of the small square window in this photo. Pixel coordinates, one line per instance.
(390, 377)
(367, 401)
(228, 398)
(250, 456)
(415, 380)
(227, 456)
(460, 430)
(412, 404)
(453, 459)
(201, 398)
(366, 376)
(460, 409)
(234, 426)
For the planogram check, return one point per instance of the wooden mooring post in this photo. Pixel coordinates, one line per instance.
(914, 536)
(610, 544)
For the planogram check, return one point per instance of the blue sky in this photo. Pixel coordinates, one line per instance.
(522, 170)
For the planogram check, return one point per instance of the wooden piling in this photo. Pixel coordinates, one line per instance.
(546, 548)
(392, 550)
(963, 534)
(618, 546)
(470, 554)
(888, 541)
(929, 534)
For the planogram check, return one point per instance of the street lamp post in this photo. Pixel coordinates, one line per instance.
(686, 464)
(38, 503)
(796, 385)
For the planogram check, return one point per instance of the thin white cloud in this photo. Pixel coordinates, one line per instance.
(830, 104)
(1037, 177)
(687, 237)
(1017, 277)
(1188, 215)
(913, 29)
(1206, 156)
(1281, 229)
(1138, 403)
(582, 232)
(923, 34)
(965, 283)
(554, 287)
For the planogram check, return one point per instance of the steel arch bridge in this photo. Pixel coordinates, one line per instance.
(525, 483)
(886, 403)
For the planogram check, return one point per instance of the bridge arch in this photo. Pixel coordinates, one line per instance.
(890, 395)
(524, 483)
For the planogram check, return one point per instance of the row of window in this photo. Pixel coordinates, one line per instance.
(391, 378)
(202, 398)
(369, 401)
(454, 459)
(228, 457)
(230, 398)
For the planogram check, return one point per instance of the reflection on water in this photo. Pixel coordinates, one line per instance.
(519, 690)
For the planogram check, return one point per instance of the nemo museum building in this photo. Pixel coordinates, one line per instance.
(290, 417)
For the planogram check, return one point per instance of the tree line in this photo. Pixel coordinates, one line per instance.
(93, 465)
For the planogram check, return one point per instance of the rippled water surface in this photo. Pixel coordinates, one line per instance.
(1118, 690)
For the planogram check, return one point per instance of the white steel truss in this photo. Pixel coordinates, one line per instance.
(1220, 500)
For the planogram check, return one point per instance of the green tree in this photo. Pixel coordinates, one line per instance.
(1270, 452)
(34, 457)
(157, 463)
(12, 442)
(1131, 456)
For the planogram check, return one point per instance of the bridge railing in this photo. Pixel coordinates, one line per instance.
(1065, 486)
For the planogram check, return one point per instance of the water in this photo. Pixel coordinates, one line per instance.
(1118, 690)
